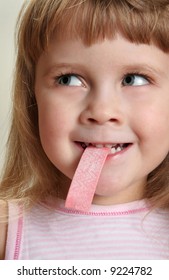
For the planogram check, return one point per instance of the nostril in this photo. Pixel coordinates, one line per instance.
(92, 120)
(101, 120)
(114, 120)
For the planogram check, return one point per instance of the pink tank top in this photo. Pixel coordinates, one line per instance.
(120, 232)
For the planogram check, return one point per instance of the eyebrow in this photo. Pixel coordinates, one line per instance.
(139, 67)
(68, 66)
(126, 68)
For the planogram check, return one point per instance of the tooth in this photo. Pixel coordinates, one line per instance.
(108, 146)
(83, 145)
(113, 145)
(118, 149)
(87, 144)
(99, 146)
(113, 150)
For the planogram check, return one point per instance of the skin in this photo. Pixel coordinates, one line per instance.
(118, 93)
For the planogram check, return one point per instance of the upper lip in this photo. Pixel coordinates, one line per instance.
(105, 138)
(105, 143)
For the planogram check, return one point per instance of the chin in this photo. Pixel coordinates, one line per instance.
(108, 189)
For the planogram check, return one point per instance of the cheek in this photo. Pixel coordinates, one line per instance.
(152, 120)
(52, 130)
(53, 117)
(153, 133)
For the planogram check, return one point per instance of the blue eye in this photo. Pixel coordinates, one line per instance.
(135, 80)
(69, 80)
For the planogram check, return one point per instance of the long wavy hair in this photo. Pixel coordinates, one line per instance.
(28, 175)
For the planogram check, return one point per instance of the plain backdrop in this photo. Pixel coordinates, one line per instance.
(9, 10)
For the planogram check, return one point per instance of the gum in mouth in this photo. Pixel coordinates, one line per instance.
(85, 179)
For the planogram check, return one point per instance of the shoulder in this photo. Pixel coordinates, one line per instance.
(3, 228)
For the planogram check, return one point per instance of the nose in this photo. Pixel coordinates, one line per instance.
(103, 108)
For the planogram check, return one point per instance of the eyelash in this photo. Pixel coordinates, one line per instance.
(137, 73)
(61, 75)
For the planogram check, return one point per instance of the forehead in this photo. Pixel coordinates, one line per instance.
(107, 55)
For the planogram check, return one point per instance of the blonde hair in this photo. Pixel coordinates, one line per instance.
(28, 174)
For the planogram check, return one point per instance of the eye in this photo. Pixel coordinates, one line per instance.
(135, 80)
(69, 80)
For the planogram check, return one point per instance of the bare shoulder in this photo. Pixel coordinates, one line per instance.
(3, 229)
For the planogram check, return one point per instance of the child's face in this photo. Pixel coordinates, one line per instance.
(113, 92)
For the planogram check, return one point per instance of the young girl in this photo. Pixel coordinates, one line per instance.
(89, 73)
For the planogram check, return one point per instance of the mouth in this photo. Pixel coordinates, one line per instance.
(114, 147)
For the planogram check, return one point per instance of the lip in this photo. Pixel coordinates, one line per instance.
(102, 143)
(120, 152)
(110, 155)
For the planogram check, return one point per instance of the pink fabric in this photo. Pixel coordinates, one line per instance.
(127, 231)
(14, 236)
(85, 180)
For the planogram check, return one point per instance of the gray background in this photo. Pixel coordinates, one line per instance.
(9, 10)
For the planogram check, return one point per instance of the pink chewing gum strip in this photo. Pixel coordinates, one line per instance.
(85, 179)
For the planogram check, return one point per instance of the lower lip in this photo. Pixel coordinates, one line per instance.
(120, 152)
